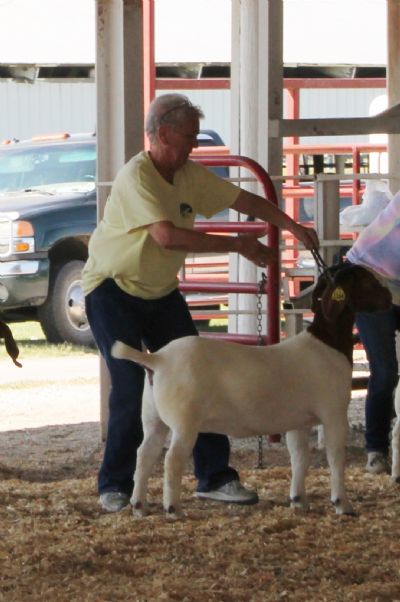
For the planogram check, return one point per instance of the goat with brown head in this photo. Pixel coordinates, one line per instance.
(340, 293)
(204, 385)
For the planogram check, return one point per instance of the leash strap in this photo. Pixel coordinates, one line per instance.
(323, 268)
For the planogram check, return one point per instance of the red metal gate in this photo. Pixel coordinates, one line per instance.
(271, 288)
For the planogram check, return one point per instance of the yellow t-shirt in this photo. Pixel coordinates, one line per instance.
(121, 246)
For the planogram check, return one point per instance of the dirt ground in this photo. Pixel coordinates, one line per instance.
(50, 414)
(57, 544)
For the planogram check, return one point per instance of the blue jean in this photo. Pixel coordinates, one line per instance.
(377, 332)
(113, 314)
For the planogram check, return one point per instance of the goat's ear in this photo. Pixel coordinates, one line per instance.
(333, 301)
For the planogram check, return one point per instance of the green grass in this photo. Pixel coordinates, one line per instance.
(32, 342)
(212, 325)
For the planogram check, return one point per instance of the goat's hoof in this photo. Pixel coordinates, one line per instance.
(343, 508)
(299, 504)
(346, 512)
(139, 509)
(173, 512)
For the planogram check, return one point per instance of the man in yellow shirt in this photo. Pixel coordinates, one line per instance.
(131, 284)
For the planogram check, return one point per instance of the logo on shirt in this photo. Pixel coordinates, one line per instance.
(185, 209)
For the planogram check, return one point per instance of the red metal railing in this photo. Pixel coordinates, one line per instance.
(271, 287)
(353, 150)
(292, 188)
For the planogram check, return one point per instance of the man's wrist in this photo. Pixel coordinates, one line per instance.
(297, 230)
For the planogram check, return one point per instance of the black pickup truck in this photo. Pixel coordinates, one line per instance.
(47, 214)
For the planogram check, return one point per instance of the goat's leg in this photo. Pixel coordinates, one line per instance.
(148, 453)
(396, 451)
(335, 429)
(320, 437)
(396, 439)
(181, 446)
(298, 445)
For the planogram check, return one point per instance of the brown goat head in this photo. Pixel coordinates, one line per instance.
(349, 286)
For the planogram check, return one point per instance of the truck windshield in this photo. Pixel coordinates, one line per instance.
(65, 167)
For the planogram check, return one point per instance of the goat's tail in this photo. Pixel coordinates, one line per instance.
(121, 351)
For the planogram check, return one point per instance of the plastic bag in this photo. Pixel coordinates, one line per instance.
(375, 198)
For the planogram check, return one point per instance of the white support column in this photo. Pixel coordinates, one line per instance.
(271, 55)
(248, 102)
(256, 80)
(326, 211)
(120, 119)
(393, 85)
(235, 143)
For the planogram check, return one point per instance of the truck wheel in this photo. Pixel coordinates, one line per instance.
(63, 316)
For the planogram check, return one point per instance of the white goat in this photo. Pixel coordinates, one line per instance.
(396, 438)
(204, 385)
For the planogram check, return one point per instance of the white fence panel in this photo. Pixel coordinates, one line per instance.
(44, 107)
(47, 107)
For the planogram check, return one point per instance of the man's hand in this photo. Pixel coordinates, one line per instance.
(307, 236)
(252, 249)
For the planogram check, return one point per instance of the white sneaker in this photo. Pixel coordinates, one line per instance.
(377, 463)
(114, 501)
(231, 493)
